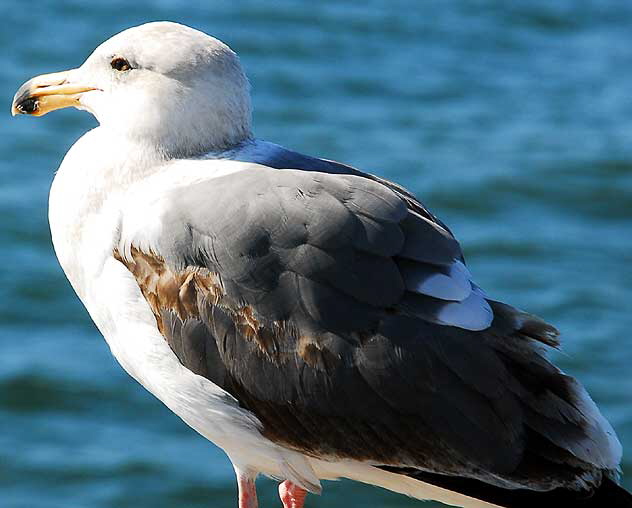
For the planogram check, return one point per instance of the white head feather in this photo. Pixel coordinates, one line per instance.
(185, 92)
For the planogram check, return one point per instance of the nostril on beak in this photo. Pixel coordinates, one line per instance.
(44, 85)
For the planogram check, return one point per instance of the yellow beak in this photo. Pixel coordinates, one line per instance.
(47, 92)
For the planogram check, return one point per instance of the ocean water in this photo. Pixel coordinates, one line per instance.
(511, 120)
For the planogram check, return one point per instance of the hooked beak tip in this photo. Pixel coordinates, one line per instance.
(46, 93)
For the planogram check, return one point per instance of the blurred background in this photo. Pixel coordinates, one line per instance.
(511, 120)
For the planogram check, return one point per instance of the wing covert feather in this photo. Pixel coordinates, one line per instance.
(340, 315)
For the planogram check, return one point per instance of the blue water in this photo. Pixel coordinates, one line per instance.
(512, 121)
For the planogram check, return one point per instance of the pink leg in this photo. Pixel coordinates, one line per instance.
(247, 491)
(292, 496)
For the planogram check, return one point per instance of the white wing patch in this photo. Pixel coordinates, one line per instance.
(473, 313)
(427, 280)
(463, 304)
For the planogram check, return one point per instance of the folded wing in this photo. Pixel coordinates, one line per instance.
(340, 312)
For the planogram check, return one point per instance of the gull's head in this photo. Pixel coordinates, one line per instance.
(161, 83)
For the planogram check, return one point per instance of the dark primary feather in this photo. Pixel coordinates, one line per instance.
(607, 495)
(293, 292)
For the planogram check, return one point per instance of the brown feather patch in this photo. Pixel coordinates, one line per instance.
(183, 292)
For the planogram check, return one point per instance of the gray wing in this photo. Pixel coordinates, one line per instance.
(338, 311)
(342, 241)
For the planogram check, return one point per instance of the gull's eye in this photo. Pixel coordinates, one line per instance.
(120, 64)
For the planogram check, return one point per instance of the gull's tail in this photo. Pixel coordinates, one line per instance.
(609, 494)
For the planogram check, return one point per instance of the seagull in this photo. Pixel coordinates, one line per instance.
(314, 321)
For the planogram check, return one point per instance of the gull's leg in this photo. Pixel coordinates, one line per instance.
(292, 496)
(247, 489)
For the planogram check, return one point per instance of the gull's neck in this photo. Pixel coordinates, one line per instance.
(104, 160)
(93, 179)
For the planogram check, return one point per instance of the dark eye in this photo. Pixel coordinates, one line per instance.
(120, 64)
